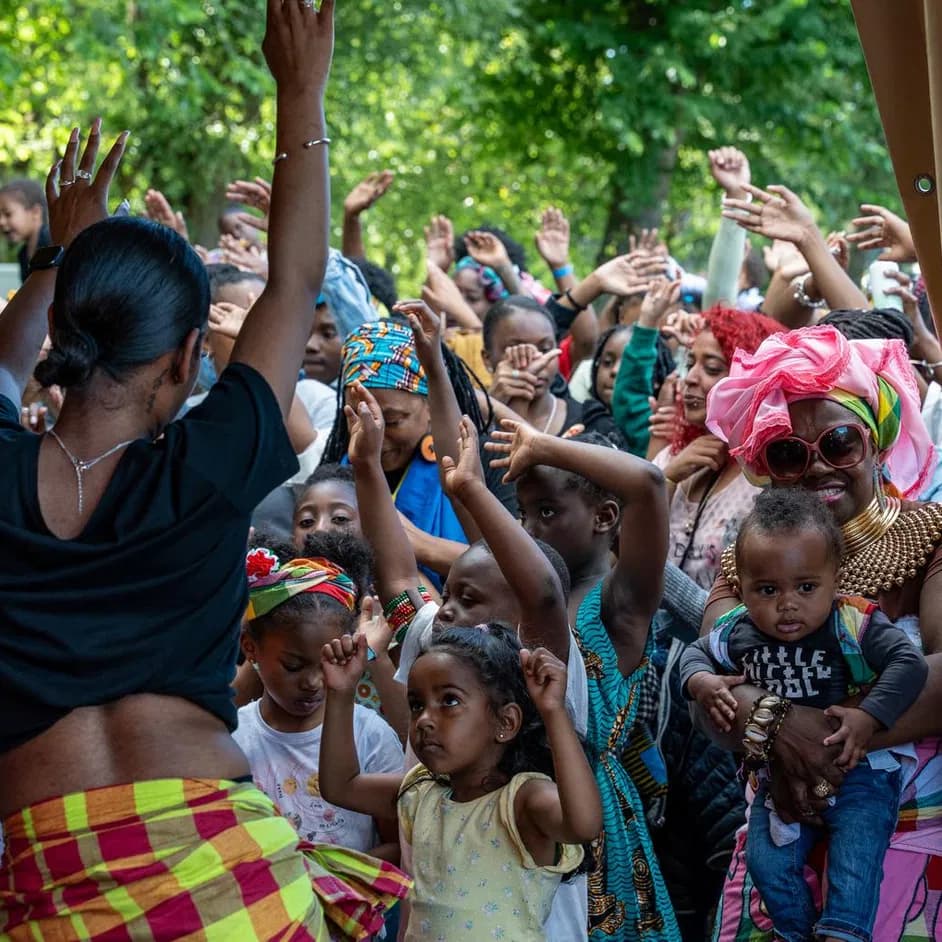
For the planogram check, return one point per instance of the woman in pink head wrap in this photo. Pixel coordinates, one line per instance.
(841, 417)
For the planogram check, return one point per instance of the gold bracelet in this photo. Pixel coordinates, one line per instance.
(765, 720)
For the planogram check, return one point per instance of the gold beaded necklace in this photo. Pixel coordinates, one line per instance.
(885, 547)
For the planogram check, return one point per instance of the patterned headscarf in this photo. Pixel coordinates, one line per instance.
(271, 584)
(382, 356)
(872, 378)
(494, 288)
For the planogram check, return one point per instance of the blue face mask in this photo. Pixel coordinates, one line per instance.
(207, 375)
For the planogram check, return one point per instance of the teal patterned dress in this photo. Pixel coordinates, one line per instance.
(628, 900)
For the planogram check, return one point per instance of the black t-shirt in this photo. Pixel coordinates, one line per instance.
(149, 598)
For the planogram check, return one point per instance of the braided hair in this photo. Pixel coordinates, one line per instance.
(873, 324)
(463, 382)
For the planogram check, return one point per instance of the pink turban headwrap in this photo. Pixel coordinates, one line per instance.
(749, 408)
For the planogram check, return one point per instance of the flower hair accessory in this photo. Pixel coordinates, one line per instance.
(259, 563)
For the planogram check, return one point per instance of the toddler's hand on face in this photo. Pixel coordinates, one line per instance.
(343, 661)
(856, 730)
(712, 692)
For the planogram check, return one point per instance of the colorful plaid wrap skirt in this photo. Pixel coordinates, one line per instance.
(182, 859)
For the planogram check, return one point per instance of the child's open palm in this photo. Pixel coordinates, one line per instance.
(515, 442)
(467, 471)
(545, 675)
(343, 661)
(364, 424)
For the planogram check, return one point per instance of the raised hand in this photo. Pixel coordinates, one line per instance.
(707, 451)
(661, 297)
(783, 257)
(511, 382)
(486, 249)
(298, 45)
(248, 259)
(440, 242)
(343, 661)
(365, 425)
(775, 213)
(467, 471)
(255, 193)
(730, 168)
(545, 676)
(683, 326)
(77, 197)
(373, 626)
(227, 319)
(427, 328)
(839, 247)
(712, 692)
(629, 274)
(552, 239)
(516, 445)
(159, 210)
(648, 243)
(881, 229)
(367, 192)
(855, 732)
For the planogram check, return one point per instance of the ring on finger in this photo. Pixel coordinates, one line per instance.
(515, 374)
(83, 175)
(66, 182)
(823, 789)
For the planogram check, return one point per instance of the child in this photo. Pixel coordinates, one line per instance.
(327, 501)
(23, 219)
(295, 607)
(508, 579)
(573, 495)
(503, 794)
(794, 637)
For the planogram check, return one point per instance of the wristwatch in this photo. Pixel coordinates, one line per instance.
(49, 256)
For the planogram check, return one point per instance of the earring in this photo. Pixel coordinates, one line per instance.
(878, 486)
(255, 666)
(500, 736)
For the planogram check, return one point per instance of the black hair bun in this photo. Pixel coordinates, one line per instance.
(70, 362)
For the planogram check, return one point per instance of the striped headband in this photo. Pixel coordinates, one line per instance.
(271, 584)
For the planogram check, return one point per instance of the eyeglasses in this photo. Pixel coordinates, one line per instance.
(840, 446)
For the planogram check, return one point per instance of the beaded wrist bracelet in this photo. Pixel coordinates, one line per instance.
(765, 720)
(400, 611)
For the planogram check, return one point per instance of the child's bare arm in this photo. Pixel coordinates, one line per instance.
(532, 579)
(341, 781)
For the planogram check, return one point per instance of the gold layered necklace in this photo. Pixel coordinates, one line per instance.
(885, 546)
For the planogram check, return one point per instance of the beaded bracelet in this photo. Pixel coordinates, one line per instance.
(802, 296)
(400, 611)
(765, 720)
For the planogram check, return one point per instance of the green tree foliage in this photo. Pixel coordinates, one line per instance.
(485, 111)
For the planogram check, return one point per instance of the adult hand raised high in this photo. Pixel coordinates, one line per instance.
(299, 44)
(76, 195)
(776, 213)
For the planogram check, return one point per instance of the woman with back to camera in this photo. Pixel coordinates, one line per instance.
(127, 808)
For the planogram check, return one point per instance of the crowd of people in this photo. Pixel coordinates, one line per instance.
(600, 607)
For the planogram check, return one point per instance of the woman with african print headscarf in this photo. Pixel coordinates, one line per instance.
(381, 356)
(841, 417)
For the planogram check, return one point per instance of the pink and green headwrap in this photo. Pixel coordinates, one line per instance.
(272, 584)
(872, 378)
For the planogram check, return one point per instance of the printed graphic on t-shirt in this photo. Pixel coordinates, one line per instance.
(790, 671)
(298, 797)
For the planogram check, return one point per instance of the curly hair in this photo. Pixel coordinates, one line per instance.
(350, 552)
(380, 281)
(779, 510)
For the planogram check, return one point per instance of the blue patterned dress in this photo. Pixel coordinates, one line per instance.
(628, 900)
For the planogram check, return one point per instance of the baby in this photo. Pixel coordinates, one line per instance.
(797, 639)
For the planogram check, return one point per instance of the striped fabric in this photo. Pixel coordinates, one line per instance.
(182, 859)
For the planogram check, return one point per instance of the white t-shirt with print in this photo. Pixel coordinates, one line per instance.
(284, 766)
(569, 918)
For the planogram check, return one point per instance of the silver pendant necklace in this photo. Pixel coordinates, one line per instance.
(81, 465)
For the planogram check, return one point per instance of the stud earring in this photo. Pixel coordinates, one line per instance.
(255, 666)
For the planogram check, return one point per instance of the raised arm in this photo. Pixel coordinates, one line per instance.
(632, 591)
(395, 567)
(358, 200)
(76, 201)
(339, 777)
(730, 168)
(543, 617)
(298, 46)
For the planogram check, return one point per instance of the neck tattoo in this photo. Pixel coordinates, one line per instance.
(81, 465)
